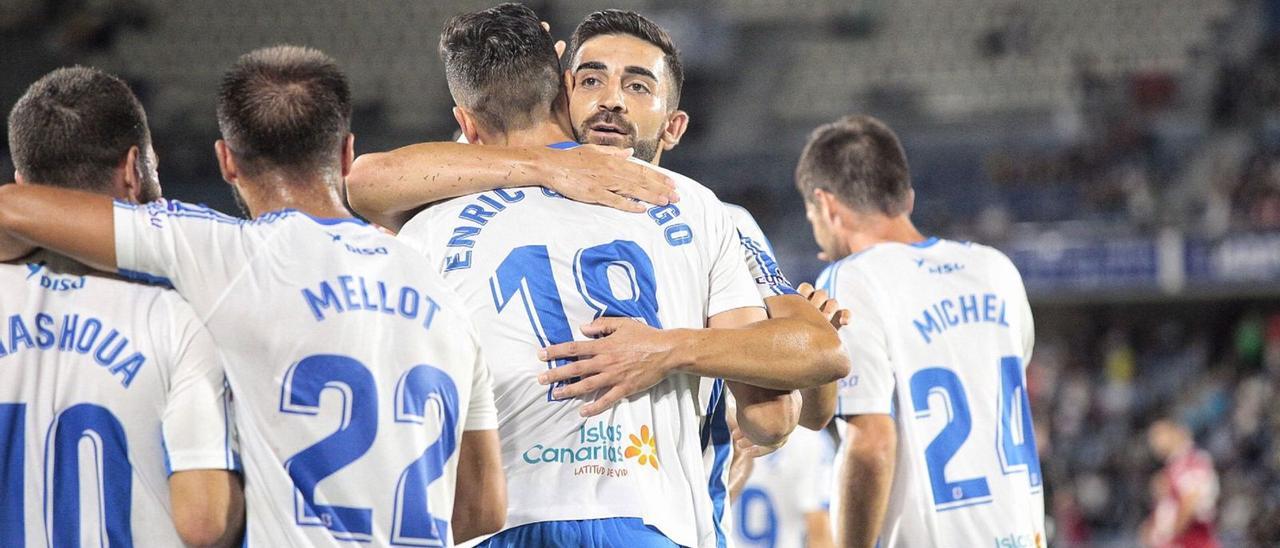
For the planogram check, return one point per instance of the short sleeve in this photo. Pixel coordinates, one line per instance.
(1018, 292)
(196, 250)
(759, 255)
(482, 414)
(198, 430)
(731, 284)
(869, 387)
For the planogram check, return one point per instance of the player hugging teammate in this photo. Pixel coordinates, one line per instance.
(563, 346)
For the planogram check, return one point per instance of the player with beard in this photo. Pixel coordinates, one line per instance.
(88, 359)
(624, 84)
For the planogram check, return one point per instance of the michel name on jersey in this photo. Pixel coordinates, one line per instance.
(951, 312)
(72, 333)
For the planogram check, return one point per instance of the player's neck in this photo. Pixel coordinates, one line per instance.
(882, 230)
(542, 134)
(272, 192)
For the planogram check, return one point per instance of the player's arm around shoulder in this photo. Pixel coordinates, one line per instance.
(75, 223)
(388, 187)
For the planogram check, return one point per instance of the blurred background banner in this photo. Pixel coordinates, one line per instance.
(1124, 153)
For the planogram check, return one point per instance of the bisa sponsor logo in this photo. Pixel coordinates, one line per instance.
(54, 283)
(600, 448)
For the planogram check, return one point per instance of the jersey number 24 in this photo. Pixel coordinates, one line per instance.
(1015, 436)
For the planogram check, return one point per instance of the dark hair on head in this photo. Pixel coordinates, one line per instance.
(630, 23)
(861, 162)
(501, 66)
(285, 108)
(73, 126)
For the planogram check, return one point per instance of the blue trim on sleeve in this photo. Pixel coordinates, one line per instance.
(145, 278)
(164, 448)
(563, 145)
(327, 221)
(715, 433)
(927, 243)
(774, 279)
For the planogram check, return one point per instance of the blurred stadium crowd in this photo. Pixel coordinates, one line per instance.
(1125, 153)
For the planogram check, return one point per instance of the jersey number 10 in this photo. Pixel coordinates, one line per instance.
(80, 422)
(1015, 435)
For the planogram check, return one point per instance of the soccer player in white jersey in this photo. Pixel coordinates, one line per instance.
(642, 96)
(87, 359)
(362, 401)
(785, 501)
(596, 481)
(938, 446)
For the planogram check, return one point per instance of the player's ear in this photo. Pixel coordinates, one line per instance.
(226, 164)
(128, 186)
(677, 124)
(568, 81)
(348, 153)
(911, 201)
(827, 207)
(467, 123)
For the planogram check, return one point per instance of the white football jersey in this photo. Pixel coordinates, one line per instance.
(354, 370)
(759, 255)
(532, 267)
(939, 337)
(785, 486)
(717, 442)
(106, 387)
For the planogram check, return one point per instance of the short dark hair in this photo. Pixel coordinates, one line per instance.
(284, 108)
(502, 66)
(73, 126)
(613, 21)
(860, 161)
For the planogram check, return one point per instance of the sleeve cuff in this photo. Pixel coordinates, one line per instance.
(201, 460)
(846, 407)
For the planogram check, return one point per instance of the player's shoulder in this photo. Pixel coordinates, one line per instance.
(690, 190)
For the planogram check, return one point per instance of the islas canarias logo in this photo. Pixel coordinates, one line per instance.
(601, 449)
(644, 448)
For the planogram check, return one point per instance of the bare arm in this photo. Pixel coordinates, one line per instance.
(764, 416)
(208, 507)
(480, 506)
(867, 476)
(819, 401)
(78, 224)
(780, 353)
(389, 187)
(818, 530)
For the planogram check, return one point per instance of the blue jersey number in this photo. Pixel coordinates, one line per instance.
(527, 272)
(13, 444)
(113, 474)
(757, 532)
(412, 524)
(1016, 444)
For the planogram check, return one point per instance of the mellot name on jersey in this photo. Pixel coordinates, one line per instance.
(355, 294)
(73, 334)
(963, 309)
